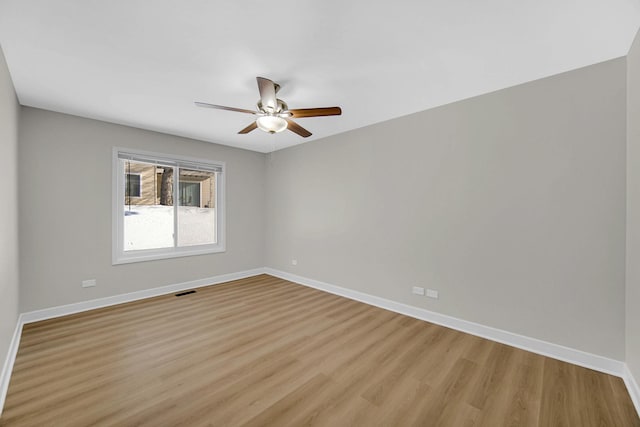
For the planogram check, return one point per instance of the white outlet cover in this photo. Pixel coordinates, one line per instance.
(432, 293)
(88, 283)
(294, 262)
(418, 290)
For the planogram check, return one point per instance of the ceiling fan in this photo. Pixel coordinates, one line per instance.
(273, 114)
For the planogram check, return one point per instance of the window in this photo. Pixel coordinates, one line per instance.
(132, 185)
(165, 206)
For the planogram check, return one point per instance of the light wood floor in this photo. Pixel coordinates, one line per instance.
(263, 351)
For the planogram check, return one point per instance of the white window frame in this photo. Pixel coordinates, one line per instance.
(119, 255)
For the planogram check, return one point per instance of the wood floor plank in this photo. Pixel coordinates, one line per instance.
(443, 408)
(491, 380)
(264, 351)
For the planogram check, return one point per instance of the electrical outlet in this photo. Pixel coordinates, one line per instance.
(88, 283)
(294, 262)
(432, 294)
(418, 290)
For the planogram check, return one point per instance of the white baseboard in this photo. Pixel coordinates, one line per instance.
(632, 387)
(556, 351)
(7, 367)
(63, 310)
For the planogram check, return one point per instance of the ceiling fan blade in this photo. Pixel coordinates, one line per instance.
(249, 128)
(222, 107)
(296, 128)
(315, 112)
(267, 90)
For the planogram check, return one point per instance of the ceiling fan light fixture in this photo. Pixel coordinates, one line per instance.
(271, 124)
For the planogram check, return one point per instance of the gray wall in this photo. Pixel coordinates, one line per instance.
(65, 210)
(511, 204)
(633, 209)
(9, 110)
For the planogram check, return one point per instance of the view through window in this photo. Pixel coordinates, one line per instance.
(169, 207)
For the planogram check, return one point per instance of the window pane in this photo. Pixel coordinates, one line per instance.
(132, 185)
(196, 208)
(148, 217)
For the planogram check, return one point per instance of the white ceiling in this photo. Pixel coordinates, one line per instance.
(143, 63)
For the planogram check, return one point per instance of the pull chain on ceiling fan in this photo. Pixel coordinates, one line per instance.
(273, 114)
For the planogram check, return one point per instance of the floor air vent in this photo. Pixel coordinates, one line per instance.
(185, 293)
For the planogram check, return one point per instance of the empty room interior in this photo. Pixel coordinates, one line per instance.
(320, 213)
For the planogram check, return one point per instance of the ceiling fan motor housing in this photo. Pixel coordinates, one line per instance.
(282, 106)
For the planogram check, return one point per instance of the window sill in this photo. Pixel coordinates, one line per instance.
(158, 254)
